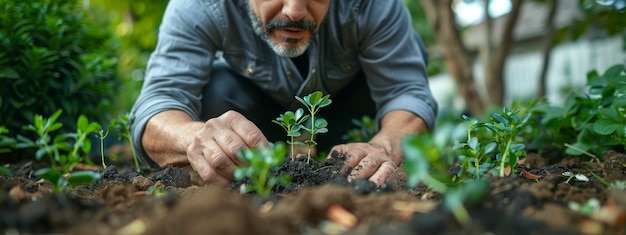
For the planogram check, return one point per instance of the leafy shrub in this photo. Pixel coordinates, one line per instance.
(591, 122)
(51, 59)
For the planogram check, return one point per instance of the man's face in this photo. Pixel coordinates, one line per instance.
(287, 25)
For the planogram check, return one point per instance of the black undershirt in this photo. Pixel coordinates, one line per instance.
(302, 63)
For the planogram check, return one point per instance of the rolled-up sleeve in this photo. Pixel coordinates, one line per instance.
(178, 68)
(392, 59)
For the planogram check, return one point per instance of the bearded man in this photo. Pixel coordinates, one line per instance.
(223, 69)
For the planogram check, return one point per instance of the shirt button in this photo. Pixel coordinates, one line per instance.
(348, 68)
(249, 69)
(289, 73)
(313, 70)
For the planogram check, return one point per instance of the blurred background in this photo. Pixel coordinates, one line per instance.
(508, 49)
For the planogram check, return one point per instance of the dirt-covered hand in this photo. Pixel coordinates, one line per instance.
(368, 161)
(213, 153)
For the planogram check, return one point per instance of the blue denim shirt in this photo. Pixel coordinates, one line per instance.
(373, 36)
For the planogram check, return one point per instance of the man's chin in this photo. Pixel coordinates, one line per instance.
(288, 49)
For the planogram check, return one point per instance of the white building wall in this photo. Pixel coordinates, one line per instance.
(569, 65)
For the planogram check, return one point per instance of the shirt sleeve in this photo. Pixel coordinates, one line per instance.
(393, 62)
(178, 68)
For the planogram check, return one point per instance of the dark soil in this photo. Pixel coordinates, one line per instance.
(121, 202)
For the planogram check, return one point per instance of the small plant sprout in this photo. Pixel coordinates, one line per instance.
(313, 102)
(474, 156)
(258, 164)
(292, 123)
(578, 177)
(588, 208)
(121, 125)
(425, 163)
(506, 126)
(64, 150)
(102, 134)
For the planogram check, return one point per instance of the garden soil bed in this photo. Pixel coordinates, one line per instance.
(318, 201)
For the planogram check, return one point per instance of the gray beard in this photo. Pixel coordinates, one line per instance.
(281, 50)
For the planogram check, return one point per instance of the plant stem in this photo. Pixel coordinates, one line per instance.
(505, 155)
(104, 165)
(308, 156)
(132, 148)
(292, 144)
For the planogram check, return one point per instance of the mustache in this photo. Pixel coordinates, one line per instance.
(274, 24)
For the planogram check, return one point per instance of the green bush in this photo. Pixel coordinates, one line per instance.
(50, 59)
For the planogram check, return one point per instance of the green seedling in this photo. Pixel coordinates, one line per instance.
(578, 177)
(425, 163)
(292, 123)
(64, 150)
(258, 164)
(156, 191)
(313, 102)
(588, 208)
(507, 126)
(102, 134)
(121, 125)
(474, 156)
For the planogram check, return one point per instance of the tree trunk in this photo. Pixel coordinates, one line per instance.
(494, 76)
(547, 50)
(458, 60)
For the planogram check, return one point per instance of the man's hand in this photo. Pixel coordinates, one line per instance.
(381, 156)
(368, 160)
(213, 152)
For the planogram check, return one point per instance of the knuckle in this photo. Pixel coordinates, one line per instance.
(220, 162)
(253, 138)
(232, 145)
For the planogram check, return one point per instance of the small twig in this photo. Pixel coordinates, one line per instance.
(588, 154)
(581, 151)
(321, 168)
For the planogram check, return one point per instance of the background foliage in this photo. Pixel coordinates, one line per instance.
(135, 24)
(52, 58)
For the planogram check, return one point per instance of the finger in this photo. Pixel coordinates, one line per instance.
(366, 168)
(197, 161)
(247, 130)
(230, 143)
(383, 172)
(222, 163)
(353, 155)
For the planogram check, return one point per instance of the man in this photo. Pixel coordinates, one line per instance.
(223, 69)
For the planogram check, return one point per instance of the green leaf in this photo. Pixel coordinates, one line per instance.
(9, 73)
(614, 71)
(611, 113)
(576, 152)
(82, 177)
(473, 143)
(298, 114)
(320, 123)
(239, 173)
(517, 147)
(6, 171)
(606, 127)
(619, 102)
